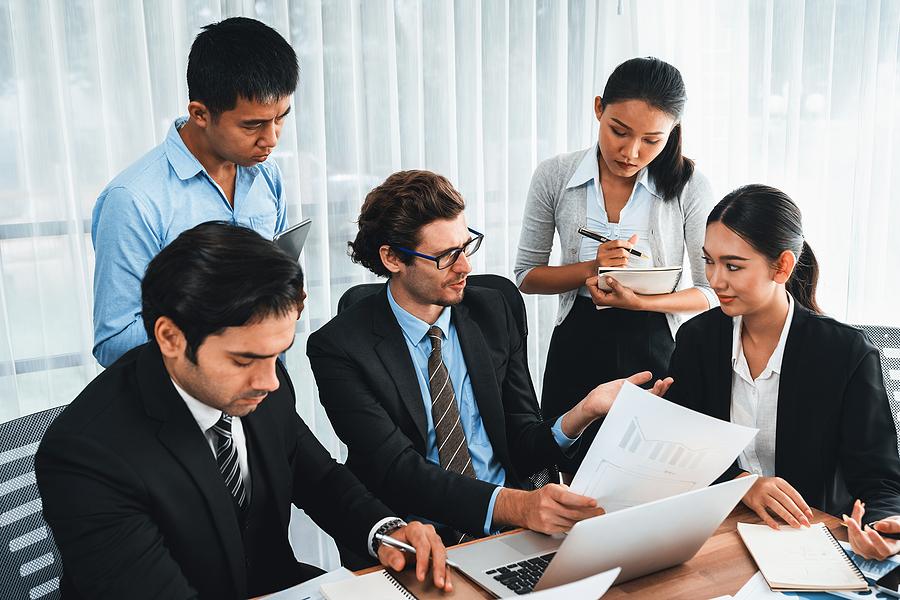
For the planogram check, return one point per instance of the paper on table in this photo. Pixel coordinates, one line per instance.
(589, 588)
(649, 448)
(758, 589)
(309, 590)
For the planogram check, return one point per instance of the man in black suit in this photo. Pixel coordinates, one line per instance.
(171, 475)
(385, 381)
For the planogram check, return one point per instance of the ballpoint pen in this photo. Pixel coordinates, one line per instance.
(395, 543)
(599, 238)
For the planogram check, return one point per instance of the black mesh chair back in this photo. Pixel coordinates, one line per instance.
(517, 304)
(887, 339)
(30, 567)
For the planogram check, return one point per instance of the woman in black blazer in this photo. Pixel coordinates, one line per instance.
(768, 358)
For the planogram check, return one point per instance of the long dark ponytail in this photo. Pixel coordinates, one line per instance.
(768, 220)
(660, 85)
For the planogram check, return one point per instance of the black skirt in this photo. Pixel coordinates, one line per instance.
(593, 346)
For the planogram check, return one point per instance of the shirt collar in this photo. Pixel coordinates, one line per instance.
(774, 364)
(185, 164)
(205, 415)
(589, 170)
(414, 328)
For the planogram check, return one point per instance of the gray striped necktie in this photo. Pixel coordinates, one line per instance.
(453, 451)
(227, 457)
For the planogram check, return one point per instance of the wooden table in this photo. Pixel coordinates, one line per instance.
(721, 566)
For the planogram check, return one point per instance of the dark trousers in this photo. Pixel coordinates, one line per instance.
(593, 346)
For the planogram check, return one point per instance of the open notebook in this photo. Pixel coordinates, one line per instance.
(801, 560)
(649, 282)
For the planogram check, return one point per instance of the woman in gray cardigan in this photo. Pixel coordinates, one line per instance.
(635, 188)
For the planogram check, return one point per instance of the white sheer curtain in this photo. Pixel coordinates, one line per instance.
(799, 95)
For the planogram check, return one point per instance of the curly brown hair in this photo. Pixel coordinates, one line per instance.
(395, 212)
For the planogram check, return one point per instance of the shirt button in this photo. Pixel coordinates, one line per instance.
(573, 251)
(753, 391)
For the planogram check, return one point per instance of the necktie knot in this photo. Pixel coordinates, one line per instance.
(435, 334)
(223, 426)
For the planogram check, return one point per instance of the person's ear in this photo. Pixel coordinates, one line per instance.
(198, 113)
(598, 107)
(784, 266)
(389, 259)
(169, 338)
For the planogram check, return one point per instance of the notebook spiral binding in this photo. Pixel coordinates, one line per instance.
(400, 587)
(844, 552)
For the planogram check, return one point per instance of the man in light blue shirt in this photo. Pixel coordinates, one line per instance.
(426, 381)
(211, 167)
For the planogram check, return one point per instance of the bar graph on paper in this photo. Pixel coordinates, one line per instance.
(669, 453)
(647, 475)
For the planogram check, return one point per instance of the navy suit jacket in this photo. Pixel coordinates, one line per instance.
(367, 384)
(835, 439)
(139, 509)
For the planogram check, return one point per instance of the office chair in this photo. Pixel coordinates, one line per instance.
(516, 303)
(30, 564)
(887, 340)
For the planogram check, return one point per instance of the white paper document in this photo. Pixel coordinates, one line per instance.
(309, 590)
(649, 448)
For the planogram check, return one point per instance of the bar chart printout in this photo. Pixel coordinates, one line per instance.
(649, 448)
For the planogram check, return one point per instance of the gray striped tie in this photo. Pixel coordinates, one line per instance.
(453, 451)
(227, 457)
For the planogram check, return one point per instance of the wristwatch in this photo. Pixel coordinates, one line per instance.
(386, 528)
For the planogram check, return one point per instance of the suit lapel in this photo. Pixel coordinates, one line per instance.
(394, 354)
(790, 417)
(482, 377)
(179, 433)
(724, 370)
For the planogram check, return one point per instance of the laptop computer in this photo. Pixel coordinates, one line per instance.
(291, 240)
(642, 539)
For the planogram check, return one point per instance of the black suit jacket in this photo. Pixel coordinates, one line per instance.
(367, 384)
(835, 438)
(139, 509)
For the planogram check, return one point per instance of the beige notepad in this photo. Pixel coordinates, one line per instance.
(391, 585)
(649, 282)
(801, 560)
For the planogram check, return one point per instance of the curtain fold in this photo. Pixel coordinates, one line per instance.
(799, 95)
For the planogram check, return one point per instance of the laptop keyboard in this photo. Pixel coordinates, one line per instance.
(521, 577)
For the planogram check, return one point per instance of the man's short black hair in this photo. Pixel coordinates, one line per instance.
(240, 57)
(218, 275)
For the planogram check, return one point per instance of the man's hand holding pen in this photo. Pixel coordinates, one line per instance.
(427, 545)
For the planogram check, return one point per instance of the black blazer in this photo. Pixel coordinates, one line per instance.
(139, 508)
(835, 438)
(367, 384)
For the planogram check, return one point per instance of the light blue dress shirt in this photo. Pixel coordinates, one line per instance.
(148, 205)
(633, 219)
(487, 467)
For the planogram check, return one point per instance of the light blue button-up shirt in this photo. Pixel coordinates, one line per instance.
(487, 467)
(148, 205)
(633, 219)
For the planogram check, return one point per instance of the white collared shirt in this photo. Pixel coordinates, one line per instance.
(207, 416)
(633, 219)
(754, 402)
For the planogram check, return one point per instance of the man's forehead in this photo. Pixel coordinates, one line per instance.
(445, 233)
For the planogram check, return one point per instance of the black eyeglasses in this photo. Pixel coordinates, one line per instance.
(449, 257)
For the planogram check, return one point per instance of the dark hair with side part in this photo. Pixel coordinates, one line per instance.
(215, 276)
(240, 57)
(395, 212)
(660, 85)
(768, 220)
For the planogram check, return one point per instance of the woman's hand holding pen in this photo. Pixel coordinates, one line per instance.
(866, 541)
(777, 494)
(428, 545)
(615, 253)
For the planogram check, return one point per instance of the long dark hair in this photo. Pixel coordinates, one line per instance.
(768, 220)
(660, 85)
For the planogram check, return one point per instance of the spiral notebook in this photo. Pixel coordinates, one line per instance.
(649, 282)
(801, 560)
(391, 585)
